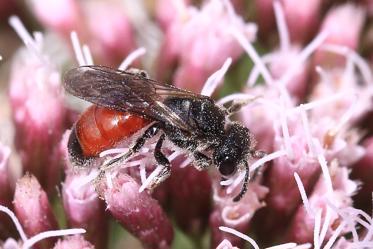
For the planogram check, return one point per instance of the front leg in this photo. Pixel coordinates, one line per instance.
(161, 160)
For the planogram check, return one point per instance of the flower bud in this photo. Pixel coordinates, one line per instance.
(33, 210)
(138, 213)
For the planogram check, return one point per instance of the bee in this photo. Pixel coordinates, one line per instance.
(125, 102)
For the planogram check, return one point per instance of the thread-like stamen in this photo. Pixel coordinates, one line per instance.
(55, 233)
(316, 230)
(150, 178)
(303, 195)
(87, 55)
(15, 222)
(77, 49)
(240, 235)
(131, 58)
(216, 78)
(281, 26)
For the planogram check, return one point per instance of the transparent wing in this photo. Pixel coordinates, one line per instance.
(126, 91)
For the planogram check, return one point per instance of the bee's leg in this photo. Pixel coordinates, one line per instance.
(113, 162)
(202, 161)
(149, 133)
(245, 183)
(238, 104)
(258, 154)
(163, 162)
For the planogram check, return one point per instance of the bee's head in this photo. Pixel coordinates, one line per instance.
(233, 148)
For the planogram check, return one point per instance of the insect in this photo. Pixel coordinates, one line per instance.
(125, 102)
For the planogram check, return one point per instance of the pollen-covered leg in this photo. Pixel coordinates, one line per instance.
(202, 161)
(113, 162)
(149, 133)
(245, 183)
(238, 104)
(258, 154)
(162, 161)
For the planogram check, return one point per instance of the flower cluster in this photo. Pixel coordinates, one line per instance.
(306, 97)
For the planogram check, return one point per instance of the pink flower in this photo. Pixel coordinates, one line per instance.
(190, 197)
(303, 224)
(138, 212)
(200, 41)
(73, 242)
(341, 31)
(60, 15)
(236, 215)
(111, 39)
(303, 19)
(38, 109)
(84, 209)
(33, 209)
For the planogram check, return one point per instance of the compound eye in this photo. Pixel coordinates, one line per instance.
(227, 168)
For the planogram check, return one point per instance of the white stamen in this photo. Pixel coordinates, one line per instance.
(319, 103)
(22, 32)
(174, 155)
(335, 235)
(303, 246)
(281, 26)
(283, 246)
(362, 244)
(346, 117)
(113, 151)
(346, 217)
(77, 49)
(307, 130)
(240, 235)
(235, 97)
(325, 171)
(325, 226)
(109, 180)
(87, 179)
(303, 195)
(302, 57)
(254, 74)
(285, 128)
(248, 47)
(186, 162)
(87, 55)
(227, 182)
(316, 231)
(142, 172)
(267, 158)
(355, 57)
(15, 222)
(39, 39)
(235, 183)
(131, 58)
(55, 233)
(216, 78)
(150, 178)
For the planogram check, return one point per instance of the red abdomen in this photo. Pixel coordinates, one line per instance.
(100, 128)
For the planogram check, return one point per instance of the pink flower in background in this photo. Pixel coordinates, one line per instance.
(110, 39)
(38, 109)
(234, 215)
(138, 212)
(73, 242)
(84, 209)
(340, 32)
(199, 41)
(33, 209)
(308, 107)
